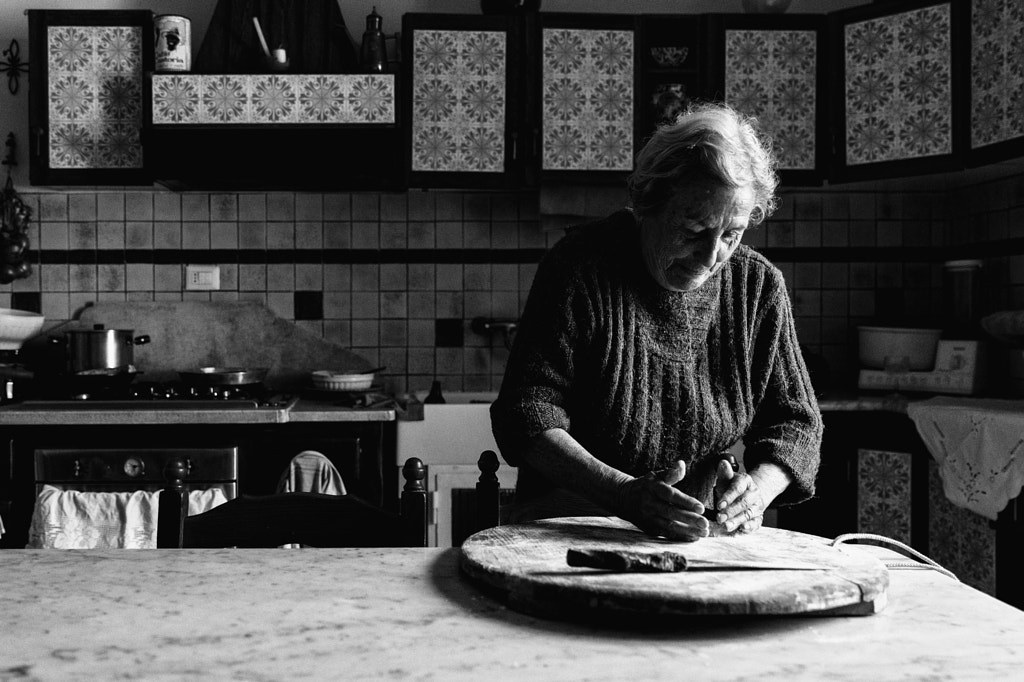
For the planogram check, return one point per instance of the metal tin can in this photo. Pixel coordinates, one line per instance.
(173, 42)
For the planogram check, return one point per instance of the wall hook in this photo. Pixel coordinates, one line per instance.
(13, 67)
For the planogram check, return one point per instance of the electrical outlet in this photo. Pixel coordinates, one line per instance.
(202, 277)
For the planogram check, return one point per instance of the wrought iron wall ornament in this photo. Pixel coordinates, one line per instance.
(13, 67)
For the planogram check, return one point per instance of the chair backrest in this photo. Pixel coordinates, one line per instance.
(296, 518)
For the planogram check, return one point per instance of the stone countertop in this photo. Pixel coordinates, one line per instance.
(408, 613)
(865, 402)
(68, 413)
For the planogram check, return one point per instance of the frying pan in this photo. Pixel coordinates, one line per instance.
(223, 376)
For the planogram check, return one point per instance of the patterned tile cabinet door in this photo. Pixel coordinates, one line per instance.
(223, 99)
(883, 494)
(91, 76)
(459, 100)
(587, 99)
(898, 96)
(997, 73)
(772, 75)
(959, 539)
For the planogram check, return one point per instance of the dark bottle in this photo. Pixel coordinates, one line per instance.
(434, 397)
(373, 56)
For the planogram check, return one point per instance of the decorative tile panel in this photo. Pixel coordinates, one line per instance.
(95, 96)
(997, 71)
(273, 99)
(898, 86)
(772, 75)
(458, 101)
(883, 493)
(587, 95)
(959, 539)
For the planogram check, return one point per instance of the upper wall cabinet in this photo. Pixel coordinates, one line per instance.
(997, 80)
(584, 116)
(464, 80)
(773, 67)
(321, 131)
(87, 106)
(901, 107)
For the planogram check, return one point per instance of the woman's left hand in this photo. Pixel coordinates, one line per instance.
(744, 497)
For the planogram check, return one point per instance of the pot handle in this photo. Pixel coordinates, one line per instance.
(139, 340)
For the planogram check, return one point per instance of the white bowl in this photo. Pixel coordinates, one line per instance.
(18, 325)
(334, 381)
(897, 348)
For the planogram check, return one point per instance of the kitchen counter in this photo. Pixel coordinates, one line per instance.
(141, 412)
(404, 613)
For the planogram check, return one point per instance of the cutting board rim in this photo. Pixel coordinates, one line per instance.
(856, 585)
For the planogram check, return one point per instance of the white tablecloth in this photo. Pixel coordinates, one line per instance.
(979, 446)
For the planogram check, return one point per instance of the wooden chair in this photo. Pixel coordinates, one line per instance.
(313, 519)
(295, 518)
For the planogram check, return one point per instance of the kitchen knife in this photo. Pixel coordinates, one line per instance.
(672, 562)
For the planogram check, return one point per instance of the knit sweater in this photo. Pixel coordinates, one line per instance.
(641, 376)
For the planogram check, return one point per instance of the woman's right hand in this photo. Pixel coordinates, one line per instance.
(654, 506)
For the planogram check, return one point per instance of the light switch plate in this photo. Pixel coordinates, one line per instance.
(202, 277)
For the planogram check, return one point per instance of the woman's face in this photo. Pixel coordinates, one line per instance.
(687, 240)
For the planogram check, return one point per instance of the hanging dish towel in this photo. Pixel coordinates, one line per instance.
(979, 446)
(71, 519)
(311, 472)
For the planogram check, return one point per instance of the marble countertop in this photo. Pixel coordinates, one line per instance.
(43, 413)
(408, 613)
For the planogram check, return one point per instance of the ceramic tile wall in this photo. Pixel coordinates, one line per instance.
(399, 277)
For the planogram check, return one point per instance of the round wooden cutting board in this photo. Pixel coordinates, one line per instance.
(526, 564)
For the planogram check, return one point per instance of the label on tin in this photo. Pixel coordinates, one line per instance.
(173, 43)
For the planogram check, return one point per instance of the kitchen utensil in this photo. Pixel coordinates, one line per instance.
(526, 564)
(327, 380)
(98, 348)
(223, 376)
(671, 562)
(18, 325)
(899, 348)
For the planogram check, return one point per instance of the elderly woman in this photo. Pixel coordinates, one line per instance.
(653, 340)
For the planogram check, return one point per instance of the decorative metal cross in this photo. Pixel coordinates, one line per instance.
(13, 67)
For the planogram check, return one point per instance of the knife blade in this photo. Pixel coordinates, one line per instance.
(625, 561)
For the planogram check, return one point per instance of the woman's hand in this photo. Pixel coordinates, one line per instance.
(654, 506)
(741, 499)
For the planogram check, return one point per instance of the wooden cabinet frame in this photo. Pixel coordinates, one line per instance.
(96, 133)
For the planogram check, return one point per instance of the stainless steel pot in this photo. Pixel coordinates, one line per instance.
(99, 349)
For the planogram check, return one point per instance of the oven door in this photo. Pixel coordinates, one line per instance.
(452, 508)
(90, 498)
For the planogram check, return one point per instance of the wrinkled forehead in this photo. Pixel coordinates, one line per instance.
(714, 202)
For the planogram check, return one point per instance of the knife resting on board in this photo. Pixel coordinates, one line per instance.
(671, 562)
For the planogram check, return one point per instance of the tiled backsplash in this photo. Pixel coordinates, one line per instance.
(399, 277)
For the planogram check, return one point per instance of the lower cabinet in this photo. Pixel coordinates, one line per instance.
(877, 477)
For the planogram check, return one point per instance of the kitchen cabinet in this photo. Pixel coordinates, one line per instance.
(361, 451)
(512, 100)
(997, 81)
(878, 477)
(673, 62)
(872, 479)
(464, 88)
(261, 131)
(774, 67)
(587, 102)
(900, 107)
(87, 103)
